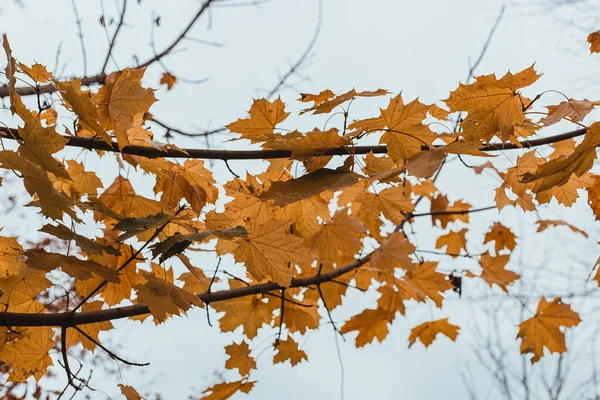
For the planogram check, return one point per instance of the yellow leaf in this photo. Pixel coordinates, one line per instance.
(28, 354)
(455, 242)
(502, 236)
(168, 79)
(459, 211)
(93, 330)
(225, 390)
(322, 106)
(120, 102)
(546, 223)
(594, 41)
(264, 117)
(428, 331)
(122, 199)
(392, 202)
(83, 104)
(494, 271)
(558, 171)
(129, 392)
(163, 297)
(288, 350)
(251, 312)
(39, 143)
(494, 106)
(393, 253)
(239, 357)
(543, 329)
(37, 72)
(19, 292)
(406, 134)
(574, 110)
(11, 256)
(269, 252)
(339, 240)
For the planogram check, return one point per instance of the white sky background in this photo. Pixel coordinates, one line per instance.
(421, 48)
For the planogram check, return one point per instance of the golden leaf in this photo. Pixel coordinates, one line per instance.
(288, 350)
(428, 331)
(223, 391)
(83, 104)
(502, 236)
(543, 329)
(120, 102)
(338, 240)
(168, 79)
(494, 271)
(37, 72)
(268, 252)
(455, 242)
(164, 298)
(594, 40)
(264, 117)
(494, 106)
(28, 354)
(239, 357)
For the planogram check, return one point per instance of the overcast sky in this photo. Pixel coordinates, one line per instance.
(419, 48)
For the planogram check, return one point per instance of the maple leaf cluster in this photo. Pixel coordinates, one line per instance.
(304, 239)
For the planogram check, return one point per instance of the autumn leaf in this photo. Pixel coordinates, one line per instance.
(129, 392)
(164, 298)
(543, 329)
(87, 245)
(28, 354)
(269, 252)
(324, 103)
(168, 79)
(574, 110)
(251, 312)
(223, 391)
(93, 330)
(594, 40)
(502, 237)
(37, 72)
(494, 271)
(406, 135)
(19, 293)
(453, 241)
(309, 185)
(393, 253)
(83, 104)
(428, 331)
(457, 211)
(557, 172)
(121, 101)
(392, 202)
(11, 256)
(544, 224)
(264, 117)
(239, 357)
(494, 106)
(372, 324)
(288, 350)
(71, 265)
(338, 240)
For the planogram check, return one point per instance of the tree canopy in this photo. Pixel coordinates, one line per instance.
(330, 213)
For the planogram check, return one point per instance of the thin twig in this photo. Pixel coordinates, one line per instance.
(81, 40)
(113, 41)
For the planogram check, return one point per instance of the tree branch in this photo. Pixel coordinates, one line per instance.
(208, 154)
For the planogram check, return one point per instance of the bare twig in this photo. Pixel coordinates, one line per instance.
(113, 41)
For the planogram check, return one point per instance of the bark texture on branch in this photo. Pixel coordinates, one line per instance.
(209, 154)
